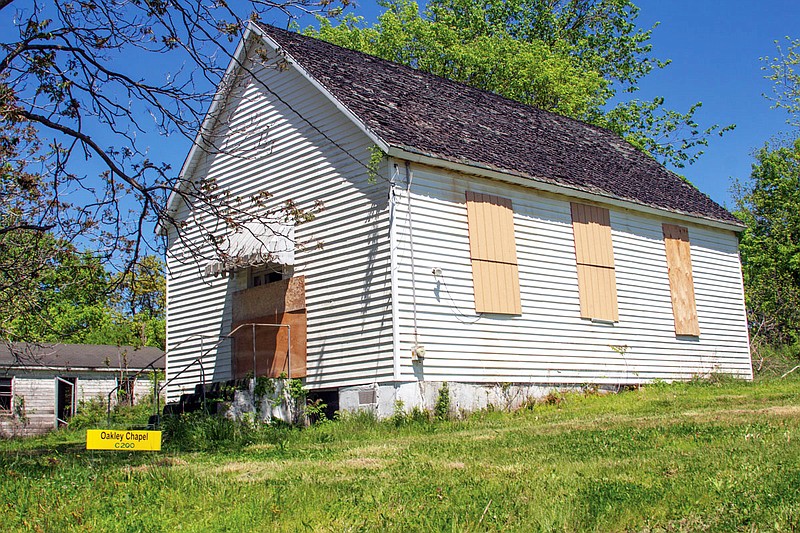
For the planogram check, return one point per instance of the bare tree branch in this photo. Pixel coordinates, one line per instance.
(75, 104)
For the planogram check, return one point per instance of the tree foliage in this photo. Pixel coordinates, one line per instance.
(770, 246)
(573, 57)
(70, 297)
(769, 205)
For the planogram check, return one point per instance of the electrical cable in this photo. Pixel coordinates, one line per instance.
(473, 319)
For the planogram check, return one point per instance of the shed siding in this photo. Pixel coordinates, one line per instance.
(37, 389)
(38, 395)
(549, 342)
(269, 145)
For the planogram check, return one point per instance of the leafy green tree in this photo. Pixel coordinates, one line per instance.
(51, 292)
(769, 205)
(140, 297)
(571, 57)
(770, 246)
(65, 302)
(528, 71)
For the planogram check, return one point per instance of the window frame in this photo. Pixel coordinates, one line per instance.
(265, 274)
(9, 395)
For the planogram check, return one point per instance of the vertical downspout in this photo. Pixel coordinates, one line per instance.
(409, 177)
(393, 266)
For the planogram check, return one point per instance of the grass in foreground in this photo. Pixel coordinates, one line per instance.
(719, 457)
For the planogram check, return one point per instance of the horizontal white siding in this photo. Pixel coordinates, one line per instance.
(269, 145)
(549, 342)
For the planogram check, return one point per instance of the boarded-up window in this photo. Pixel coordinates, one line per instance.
(597, 282)
(495, 276)
(681, 283)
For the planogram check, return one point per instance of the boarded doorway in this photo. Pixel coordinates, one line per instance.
(282, 303)
(66, 396)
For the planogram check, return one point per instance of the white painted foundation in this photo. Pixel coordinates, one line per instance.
(464, 397)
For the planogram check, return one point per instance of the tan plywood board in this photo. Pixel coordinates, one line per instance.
(494, 255)
(496, 287)
(592, 228)
(681, 281)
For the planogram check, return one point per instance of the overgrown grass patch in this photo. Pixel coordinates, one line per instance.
(692, 456)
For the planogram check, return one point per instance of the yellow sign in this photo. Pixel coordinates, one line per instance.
(121, 439)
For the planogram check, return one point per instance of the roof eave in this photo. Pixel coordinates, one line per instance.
(470, 167)
(103, 369)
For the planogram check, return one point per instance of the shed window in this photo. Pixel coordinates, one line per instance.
(493, 253)
(597, 282)
(681, 283)
(5, 394)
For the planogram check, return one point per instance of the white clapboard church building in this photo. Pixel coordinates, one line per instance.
(494, 246)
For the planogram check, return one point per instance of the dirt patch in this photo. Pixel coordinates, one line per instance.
(370, 463)
(716, 414)
(164, 462)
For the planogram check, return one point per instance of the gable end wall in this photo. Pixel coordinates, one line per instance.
(269, 145)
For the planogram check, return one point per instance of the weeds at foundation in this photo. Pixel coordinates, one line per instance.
(315, 411)
(714, 379)
(399, 417)
(554, 397)
(590, 389)
(264, 387)
(416, 415)
(441, 409)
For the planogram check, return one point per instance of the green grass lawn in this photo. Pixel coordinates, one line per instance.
(684, 457)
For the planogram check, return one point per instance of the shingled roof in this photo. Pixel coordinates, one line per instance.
(72, 356)
(424, 114)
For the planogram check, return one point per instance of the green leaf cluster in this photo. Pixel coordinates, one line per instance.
(52, 292)
(572, 57)
(769, 204)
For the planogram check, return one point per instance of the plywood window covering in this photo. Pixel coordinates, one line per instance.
(493, 253)
(681, 283)
(597, 282)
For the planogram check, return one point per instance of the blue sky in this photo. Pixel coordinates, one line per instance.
(715, 48)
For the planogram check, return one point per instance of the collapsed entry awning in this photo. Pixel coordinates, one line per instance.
(254, 244)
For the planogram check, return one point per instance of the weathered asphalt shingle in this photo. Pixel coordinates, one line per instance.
(99, 356)
(426, 114)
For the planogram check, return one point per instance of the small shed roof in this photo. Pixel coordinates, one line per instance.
(432, 116)
(83, 356)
